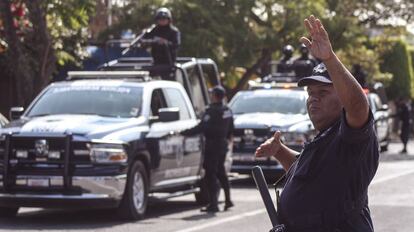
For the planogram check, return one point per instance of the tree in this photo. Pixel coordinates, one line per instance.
(45, 34)
(252, 32)
(397, 61)
(249, 34)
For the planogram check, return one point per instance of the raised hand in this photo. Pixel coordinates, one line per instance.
(270, 147)
(318, 44)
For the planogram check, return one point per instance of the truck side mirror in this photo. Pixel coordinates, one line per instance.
(16, 113)
(169, 114)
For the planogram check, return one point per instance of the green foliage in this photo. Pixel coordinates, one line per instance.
(235, 33)
(369, 59)
(231, 32)
(67, 22)
(411, 50)
(397, 61)
(134, 15)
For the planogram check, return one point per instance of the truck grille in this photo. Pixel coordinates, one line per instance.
(249, 139)
(255, 132)
(55, 156)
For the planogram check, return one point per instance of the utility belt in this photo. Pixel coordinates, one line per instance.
(327, 221)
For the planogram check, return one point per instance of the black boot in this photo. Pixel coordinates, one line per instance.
(210, 209)
(228, 205)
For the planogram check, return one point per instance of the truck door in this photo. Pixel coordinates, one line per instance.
(161, 140)
(188, 158)
(171, 162)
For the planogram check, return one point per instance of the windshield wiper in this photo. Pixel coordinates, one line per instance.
(39, 115)
(101, 115)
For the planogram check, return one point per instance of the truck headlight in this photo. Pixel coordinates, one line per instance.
(105, 153)
(23, 154)
(293, 138)
(54, 155)
(237, 139)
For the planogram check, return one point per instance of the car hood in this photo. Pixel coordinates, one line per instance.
(267, 120)
(91, 126)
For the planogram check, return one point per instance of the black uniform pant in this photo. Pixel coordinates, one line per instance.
(214, 160)
(405, 132)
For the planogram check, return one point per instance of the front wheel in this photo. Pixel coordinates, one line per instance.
(135, 199)
(7, 212)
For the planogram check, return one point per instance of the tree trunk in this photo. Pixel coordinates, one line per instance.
(45, 64)
(264, 58)
(18, 67)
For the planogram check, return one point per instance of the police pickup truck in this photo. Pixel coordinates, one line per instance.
(102, 139)
(268, 106)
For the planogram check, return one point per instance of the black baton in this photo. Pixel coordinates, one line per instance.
(267, 200)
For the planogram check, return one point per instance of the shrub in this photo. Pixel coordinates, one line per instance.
(397, 61)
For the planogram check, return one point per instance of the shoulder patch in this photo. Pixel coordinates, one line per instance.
(206, 118)
(227, 114)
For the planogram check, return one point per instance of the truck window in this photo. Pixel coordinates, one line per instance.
(377, 102)
(210, 75)
(197, 89)
(92, 99)
(157, 101)
(175, 99)
(179, 76)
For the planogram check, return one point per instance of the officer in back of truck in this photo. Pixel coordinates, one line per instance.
(166, 38)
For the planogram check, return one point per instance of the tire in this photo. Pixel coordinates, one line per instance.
(6, 212)
(135, 200)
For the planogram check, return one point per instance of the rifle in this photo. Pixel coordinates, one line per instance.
(267, 200)
(137, 39)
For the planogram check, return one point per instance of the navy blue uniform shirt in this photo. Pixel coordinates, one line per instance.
(216, 123)
(326, 187)
(159, 51)
(217, 127)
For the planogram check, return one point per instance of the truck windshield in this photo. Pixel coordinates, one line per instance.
(107, 101)
(272, 102)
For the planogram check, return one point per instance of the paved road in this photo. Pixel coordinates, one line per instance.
(391, 200)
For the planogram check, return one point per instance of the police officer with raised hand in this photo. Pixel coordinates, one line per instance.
(167, 37)
(217, 127)
(326, 184)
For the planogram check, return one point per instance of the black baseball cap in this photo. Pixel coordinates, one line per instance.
(218, 90)
(319, 74)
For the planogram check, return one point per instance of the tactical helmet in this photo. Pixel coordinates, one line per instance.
(303, 49)
(288, 50)
(218, 91)
(163, 13)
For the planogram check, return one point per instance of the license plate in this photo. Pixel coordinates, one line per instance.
(243, 157)
(38, 182)
(248, 157)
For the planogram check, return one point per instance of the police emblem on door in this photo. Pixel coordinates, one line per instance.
(41, 147)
